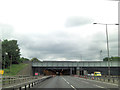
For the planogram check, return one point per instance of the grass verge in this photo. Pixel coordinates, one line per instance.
(15, 68)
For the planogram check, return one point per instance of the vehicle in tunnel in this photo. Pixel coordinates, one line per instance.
(97, 74)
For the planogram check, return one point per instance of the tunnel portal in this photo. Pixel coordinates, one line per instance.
(54, 71)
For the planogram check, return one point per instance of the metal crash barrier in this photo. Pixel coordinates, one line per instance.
(19, 83)
(114, 79)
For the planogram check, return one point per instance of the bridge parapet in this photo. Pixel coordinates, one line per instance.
(76, 64)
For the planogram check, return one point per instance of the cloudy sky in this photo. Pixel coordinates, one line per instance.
(60, 29)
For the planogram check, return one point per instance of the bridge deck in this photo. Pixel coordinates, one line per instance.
(75, 64)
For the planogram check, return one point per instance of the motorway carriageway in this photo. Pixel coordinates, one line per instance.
(75, 83)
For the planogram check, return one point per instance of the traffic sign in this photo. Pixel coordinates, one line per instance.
(1, 71)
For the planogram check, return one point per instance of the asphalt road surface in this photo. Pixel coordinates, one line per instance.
(75, 83)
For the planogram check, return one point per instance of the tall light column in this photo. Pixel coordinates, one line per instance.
(4, 58)
(107, 45)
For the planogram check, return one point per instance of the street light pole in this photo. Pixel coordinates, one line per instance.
(108, 52)
(100, 54)
(5, 59)
(12, 60)
(4, 62)
(10, 63)
(81, 66)
(107, 46)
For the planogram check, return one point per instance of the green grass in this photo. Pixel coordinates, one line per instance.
(15, 68)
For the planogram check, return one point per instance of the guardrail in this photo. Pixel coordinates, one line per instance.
(2, 78)
(103, 79)
(19, 83)
(7, 81)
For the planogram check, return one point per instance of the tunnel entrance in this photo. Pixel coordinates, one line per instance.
(54, 71)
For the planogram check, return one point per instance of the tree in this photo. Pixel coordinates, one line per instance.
(112, 59)
(10, 52)
(22, 59)
(34, 60)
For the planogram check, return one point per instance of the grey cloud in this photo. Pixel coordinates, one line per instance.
(99, 42)
(60, 45)
(43, 46)
(6, 31)
(77, 21)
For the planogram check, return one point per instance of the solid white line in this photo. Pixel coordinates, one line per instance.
(73, 87)
(99, 86)
(63, 78)
(68, 83)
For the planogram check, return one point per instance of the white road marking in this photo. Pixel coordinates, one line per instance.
(73, 87)
(66, 81)
(63, 78)
(99, 86)
(69, 84)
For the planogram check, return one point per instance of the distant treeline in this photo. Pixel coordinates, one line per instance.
(112, 59)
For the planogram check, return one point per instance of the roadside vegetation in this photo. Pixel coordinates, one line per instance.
(112, 59)
(15, 68)
(12, 62)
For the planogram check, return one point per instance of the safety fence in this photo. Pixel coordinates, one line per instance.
(22, 82)
(115, 80)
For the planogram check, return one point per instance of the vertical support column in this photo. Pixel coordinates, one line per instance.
(78, 71)
(85, 72)
(119, 39)
(20, 88)
(81, 71)
(70, 71)
(1, 62)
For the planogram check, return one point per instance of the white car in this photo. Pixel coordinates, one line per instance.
(88, 74)
(92, 74)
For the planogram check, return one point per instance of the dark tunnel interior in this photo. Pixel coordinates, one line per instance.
(55, 71)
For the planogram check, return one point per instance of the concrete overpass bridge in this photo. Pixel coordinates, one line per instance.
(75, 67)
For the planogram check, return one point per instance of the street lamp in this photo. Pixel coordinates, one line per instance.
(107, 45)
(100, 54)
(4, 58)
(81, 65)
(12, 60)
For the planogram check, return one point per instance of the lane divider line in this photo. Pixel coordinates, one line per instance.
(73, 87)
(69, 84)
(99, 86)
